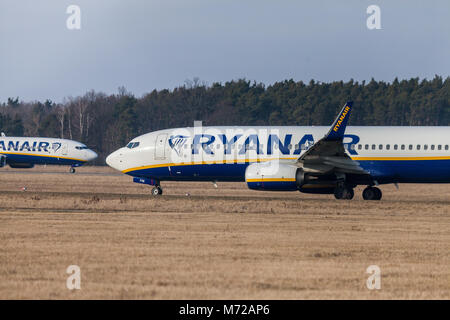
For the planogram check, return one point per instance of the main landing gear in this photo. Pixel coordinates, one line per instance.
(157, 191)
(372, 193)
(344, 192)
(72, 170)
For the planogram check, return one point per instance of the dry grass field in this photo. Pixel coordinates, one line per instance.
(225, 243)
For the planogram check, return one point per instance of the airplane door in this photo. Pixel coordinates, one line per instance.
(64, 149)
(160, 146)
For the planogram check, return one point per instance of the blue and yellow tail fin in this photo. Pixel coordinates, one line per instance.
(337, 130)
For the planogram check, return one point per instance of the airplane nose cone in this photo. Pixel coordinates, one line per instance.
(92, 155)
(108, 160)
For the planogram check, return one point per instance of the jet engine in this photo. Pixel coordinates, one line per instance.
(272, 175)
(279, 176)
(21, 165)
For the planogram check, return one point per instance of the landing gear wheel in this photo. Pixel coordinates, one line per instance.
(372, 193)
(72, 170)
(157, 191)
(350, 194)
(343, 193)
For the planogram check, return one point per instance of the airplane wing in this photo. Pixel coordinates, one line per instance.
(328, 154)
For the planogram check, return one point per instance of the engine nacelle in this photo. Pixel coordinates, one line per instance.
(272, 175)
(21, 165)
(2, 160)
(279, 176)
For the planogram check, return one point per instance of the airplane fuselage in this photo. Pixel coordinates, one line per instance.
(388, 154)
(23, 152)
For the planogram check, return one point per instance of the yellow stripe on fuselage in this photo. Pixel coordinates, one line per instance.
(161, 165)
(41, 155)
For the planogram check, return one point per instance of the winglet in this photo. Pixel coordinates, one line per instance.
(337, 130)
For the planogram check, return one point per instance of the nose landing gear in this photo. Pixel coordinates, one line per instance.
(157, 191)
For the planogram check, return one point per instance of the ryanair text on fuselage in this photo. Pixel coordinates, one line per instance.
(252, 142)
(39, 146)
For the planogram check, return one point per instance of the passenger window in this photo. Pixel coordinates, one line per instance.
(374, 147)
(380, 147)
(359, 146)
(410, 147)
(296, 146)
(403, 147)
(432, 147)
(352, 147)
(395, 146)
(439, 147)
(425, 147)
(446, 147)
(418, 147)
(367, 147)
(388, 146)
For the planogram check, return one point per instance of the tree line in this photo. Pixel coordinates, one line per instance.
(106, 122)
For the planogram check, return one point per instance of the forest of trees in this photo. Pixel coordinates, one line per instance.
(107, 122)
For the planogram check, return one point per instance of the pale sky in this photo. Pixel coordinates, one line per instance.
(146, 45)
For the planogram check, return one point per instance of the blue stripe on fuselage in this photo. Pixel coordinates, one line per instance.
(25, 158)
(420, 171)
(384, 171)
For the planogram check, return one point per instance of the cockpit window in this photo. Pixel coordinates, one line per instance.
(132, 145)
(81, 147)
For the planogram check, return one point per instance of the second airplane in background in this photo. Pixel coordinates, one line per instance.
(25, 152)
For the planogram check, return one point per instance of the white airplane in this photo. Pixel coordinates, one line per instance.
(306, 159)
(24, 152)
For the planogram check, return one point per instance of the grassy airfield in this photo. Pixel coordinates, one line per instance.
(199, 242)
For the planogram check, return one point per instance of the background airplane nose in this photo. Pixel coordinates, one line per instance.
(92, 155)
